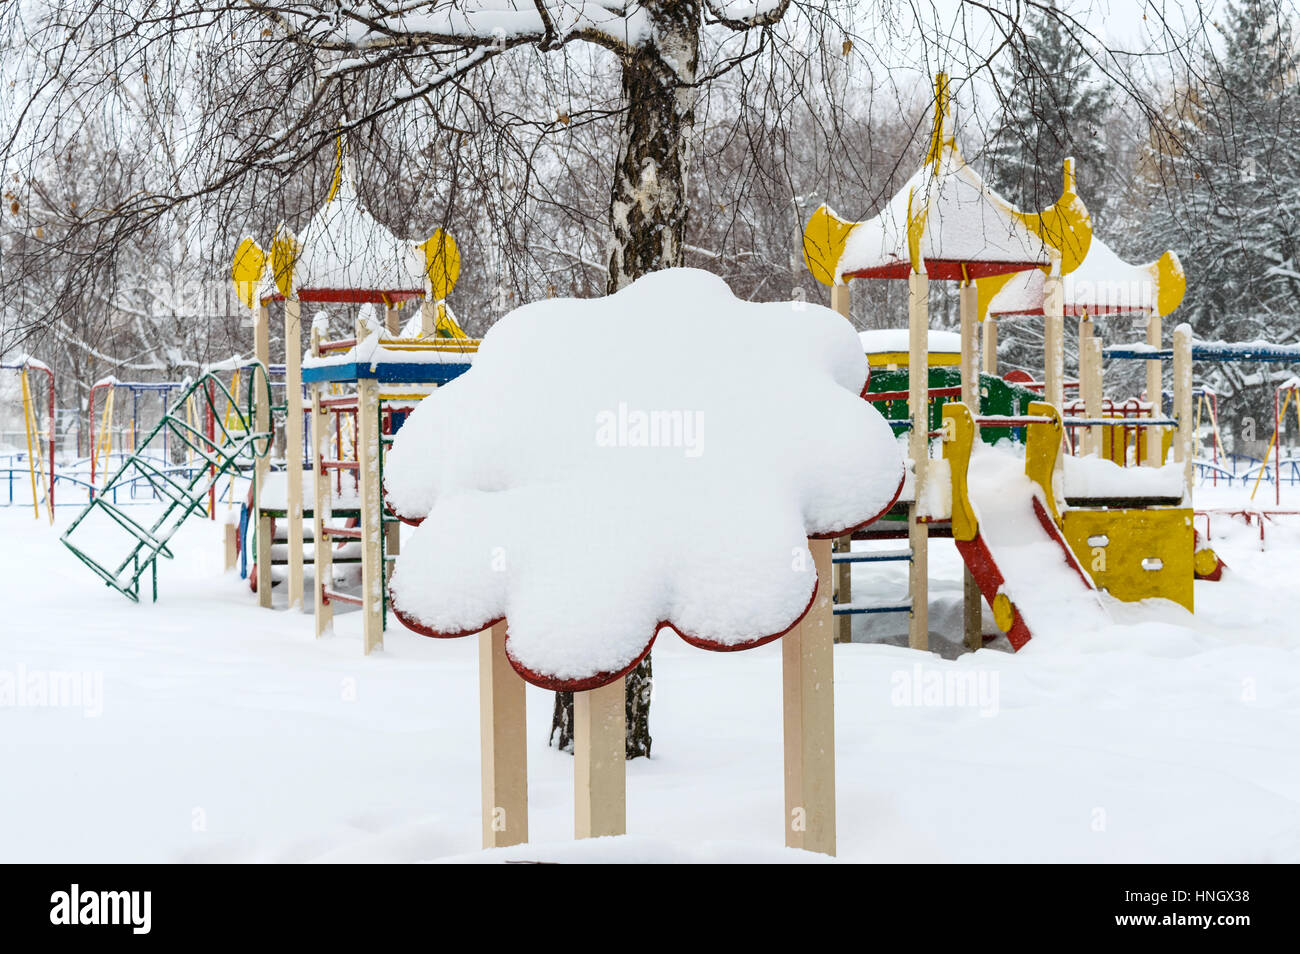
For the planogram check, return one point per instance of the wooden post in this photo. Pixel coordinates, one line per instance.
(262, 465)
(293, 449)
(232, 545)
(1054, 338)
(843, 572)
(600, 761)
(1182, 443)
(372, 561)
(1155, 387)
(392, 531)
(1085, 379)
(1097, 394)
(968, 302)
(322, 507)
(808, 702)
(503, 738)
(990, 365)
(918, 444)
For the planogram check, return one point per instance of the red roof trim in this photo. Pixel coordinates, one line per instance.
(945, 269)
(355, 296)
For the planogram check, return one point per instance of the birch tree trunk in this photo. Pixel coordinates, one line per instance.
(647, 214)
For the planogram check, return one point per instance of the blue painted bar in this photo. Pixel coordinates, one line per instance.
(389, 372)
(851, 609)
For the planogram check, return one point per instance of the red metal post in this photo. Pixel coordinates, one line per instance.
(1277, 458)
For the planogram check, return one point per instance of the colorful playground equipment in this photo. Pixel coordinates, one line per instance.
(1127, 533)
(120, 548)
(345, 257)
(101, 444)
(40, 465)
(947, 224)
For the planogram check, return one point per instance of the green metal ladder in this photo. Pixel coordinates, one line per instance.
(184, 493)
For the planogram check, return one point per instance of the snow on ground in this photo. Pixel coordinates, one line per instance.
(224, 732)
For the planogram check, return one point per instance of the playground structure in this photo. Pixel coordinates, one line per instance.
(945, 224)
(101, 437)
(120, 548)
(345, 257)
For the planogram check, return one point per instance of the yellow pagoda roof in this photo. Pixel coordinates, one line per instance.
(948, 223)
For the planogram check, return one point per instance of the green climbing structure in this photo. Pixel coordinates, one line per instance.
(119, 548)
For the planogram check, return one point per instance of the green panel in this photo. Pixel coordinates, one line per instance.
(996, 397)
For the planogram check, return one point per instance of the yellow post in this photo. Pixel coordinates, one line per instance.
(27, 426)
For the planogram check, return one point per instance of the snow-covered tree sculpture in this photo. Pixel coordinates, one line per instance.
(590, 483)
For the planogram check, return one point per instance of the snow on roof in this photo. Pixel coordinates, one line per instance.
(345, 247)
(965, 222)
(947, 222)
(1103, 284)
(590, 484)
(885, 340)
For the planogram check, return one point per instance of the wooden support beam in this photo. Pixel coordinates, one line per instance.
(1084, 439)
(503, 738)
(392, 531)
(968, 304)
(372, 563)
(1096, 394)
(972, 616)
(1182, 444)
(1054, 338)
(808, 702)
(990, 345)
(843, 572)
(322, 508)
(1155, 389)
(840, 300)
(262, 465)
(293, 448)
(918, 445)
(232, 545)
(600, 761)
(428, 312)
(842, 586)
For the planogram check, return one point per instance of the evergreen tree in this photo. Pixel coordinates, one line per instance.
(1054, 106)
(1223, 188)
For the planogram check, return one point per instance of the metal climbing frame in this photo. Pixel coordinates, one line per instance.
(121, 549)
